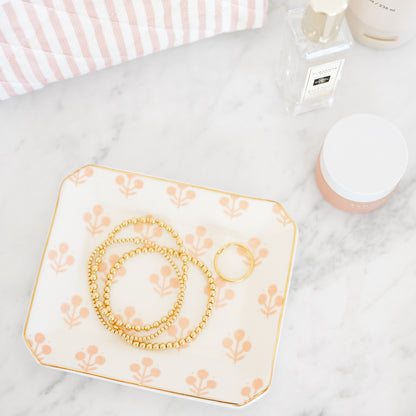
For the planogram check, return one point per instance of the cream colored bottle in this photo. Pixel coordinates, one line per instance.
(383, 24)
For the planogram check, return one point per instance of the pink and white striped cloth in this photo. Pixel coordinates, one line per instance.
(42, 41)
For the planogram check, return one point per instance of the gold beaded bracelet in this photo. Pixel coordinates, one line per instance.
(126, 330)
(171, 316)
(96, 255)
(143, 342)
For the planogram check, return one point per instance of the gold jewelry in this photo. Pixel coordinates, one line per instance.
(103, 307)
(193, 333)
(250, 257)
(96, 255)
(172, 315)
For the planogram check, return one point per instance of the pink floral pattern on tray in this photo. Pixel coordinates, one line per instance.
(96, 221)
(128, 184)
(129, 315)
(164, 283)
(237, 348)
(250, 391)
(82, 175)
(60, 260)
(148, 231)
(270, 301)
(105, 267)
(234, 206)
(281, 215)
(89, 361)
(144, 372)
(222, 364)
(73, 312)
(224, 293)
(198, 244)
(201, 384)
(180, 195)
(39, 345)
(179, 330)
(259, 253)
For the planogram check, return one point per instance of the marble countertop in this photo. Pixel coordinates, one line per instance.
(209, 114)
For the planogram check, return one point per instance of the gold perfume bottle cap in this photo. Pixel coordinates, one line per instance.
(323, 19)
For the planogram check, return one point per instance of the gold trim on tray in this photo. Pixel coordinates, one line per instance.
(142, 385)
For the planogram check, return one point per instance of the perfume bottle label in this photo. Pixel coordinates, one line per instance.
(321, 80)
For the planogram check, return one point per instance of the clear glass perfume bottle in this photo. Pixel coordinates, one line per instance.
(315, 43)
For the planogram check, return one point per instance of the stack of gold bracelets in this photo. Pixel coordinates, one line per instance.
(143, 336)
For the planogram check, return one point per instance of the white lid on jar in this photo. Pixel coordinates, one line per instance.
(363, 157)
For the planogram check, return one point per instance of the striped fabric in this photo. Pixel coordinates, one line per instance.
(43, 41)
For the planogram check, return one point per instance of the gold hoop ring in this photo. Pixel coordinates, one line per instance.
(249, 256)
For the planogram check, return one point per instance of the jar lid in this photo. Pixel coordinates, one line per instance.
(363, 157)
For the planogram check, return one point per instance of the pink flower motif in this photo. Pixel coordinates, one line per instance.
(198, 244)
(179, 196)
(81, 175)
(199, 385)
(250, 392)
(224, 293)
(259, 253)
(129, 184)
(73, 313)
(94, 223)
(60, 260)
(89, 361)
(128, 316)
(144, 373)
(234, 206)
(161, 285)
(39, 347)
(179, 331)
(270, 301)
(281, 215)
(238, 351)
(104, 267)
(148, 231)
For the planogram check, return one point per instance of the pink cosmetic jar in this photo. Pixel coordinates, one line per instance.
(361, 163)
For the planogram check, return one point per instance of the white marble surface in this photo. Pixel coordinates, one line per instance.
(209, 114)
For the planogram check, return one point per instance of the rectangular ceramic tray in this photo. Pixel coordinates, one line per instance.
(232, 361)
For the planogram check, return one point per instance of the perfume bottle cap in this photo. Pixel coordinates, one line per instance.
(323, 19)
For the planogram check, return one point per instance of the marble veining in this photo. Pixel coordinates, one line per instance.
(209, 114)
